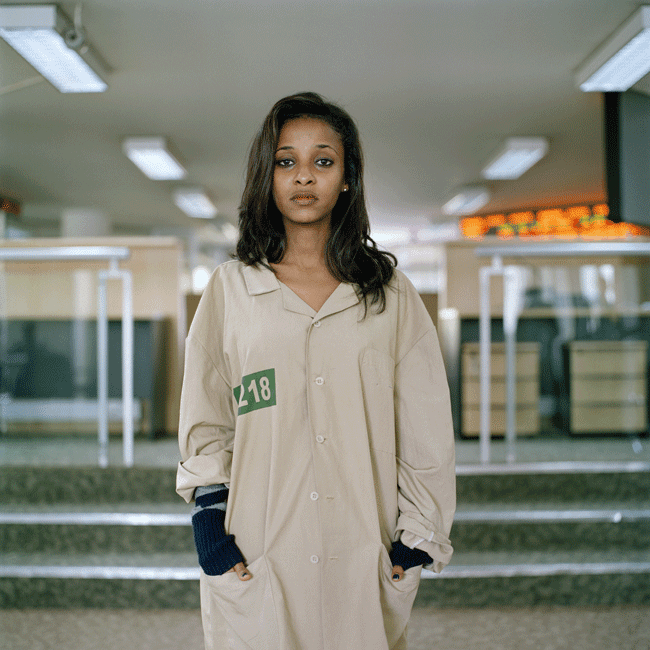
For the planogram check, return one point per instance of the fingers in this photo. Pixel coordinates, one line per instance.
(398, 573)
(242, 572)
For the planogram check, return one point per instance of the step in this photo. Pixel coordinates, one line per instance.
(136, 566)
(143, 581)
(516, 562)
(553, 482)
(179, 513)
(159, 580)
(183, 566)
(475, 484)
(106, 528)
(42, 485)
(167, 527)
(85, 537)
(553, 527)
(520, 579)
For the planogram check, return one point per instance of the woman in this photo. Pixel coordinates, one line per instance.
(315, 426)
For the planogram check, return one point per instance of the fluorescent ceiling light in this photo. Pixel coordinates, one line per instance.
(195, 203)
(517, 156)
(467, 200)
(153, 158)
(37, 33)
(622, 60)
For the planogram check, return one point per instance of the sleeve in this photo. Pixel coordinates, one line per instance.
(426, 474)
(217, 551)
(406, 557)
(207, 417)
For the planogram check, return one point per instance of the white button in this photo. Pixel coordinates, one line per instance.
(314, 496)
(320, 381)
(314, 559)
(317, 323)
(320, 439)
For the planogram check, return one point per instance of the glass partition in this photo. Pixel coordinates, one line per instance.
(49, 352)
(581, 362)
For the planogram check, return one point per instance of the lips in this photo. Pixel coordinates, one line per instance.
(304, 198)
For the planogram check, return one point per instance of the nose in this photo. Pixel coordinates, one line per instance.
(304, 175)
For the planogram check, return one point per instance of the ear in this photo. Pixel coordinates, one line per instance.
(345, 187)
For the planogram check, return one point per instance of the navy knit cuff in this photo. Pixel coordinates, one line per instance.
(406, 557)
(211, 499)
(217, 551)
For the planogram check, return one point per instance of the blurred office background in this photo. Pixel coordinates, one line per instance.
(507, 153)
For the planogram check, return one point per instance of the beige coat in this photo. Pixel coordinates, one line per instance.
(334, 433)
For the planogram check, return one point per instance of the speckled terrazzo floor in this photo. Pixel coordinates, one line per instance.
(541, 628)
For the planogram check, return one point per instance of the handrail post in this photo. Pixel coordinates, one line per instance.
(4, 347)
(510, 314)
(102, 369)
(127, 367)
(485, 340)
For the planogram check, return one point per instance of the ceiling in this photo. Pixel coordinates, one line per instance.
(434, 85)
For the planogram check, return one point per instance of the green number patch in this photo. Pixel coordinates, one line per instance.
(257, 391)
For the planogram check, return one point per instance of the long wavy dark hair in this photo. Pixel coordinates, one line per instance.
(351, 254)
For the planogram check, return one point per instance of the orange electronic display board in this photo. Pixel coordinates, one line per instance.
(7, 205)
(588, 222)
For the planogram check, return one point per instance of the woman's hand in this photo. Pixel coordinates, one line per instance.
(397, 574)
(242, 572)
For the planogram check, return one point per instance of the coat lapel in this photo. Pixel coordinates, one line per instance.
(261, 280)
(342, 297)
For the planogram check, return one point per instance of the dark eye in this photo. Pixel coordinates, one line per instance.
(284, 162)
(324, 162)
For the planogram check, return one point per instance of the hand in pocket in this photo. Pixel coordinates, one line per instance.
(242, 572)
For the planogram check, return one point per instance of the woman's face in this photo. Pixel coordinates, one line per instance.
(308, 175)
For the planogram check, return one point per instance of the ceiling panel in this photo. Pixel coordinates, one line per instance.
(434, 85)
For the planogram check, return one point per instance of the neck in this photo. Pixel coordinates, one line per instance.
(306, 245)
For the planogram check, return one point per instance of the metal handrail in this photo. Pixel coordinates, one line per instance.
(111, 254)
(567, 249)
(64, 253)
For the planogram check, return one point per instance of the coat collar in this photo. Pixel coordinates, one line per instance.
(341, 298)
(261, 280)
(344, 296)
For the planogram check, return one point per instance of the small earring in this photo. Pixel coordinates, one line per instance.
(345, 189)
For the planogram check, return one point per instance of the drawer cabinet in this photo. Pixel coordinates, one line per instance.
(608, 386)
(527, 389)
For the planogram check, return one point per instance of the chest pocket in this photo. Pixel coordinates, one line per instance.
(377, 371)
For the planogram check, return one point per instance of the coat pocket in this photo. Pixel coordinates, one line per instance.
(246, 606)
(396, 598)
